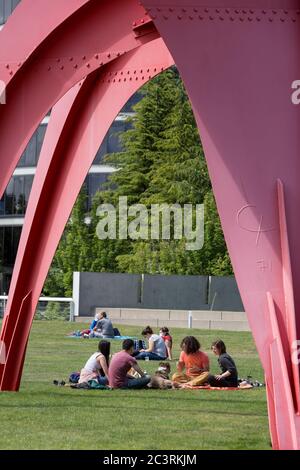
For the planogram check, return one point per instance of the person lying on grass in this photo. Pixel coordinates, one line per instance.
(193, 361)
(229, 376)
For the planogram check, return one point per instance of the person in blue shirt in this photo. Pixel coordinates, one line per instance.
(85, 333)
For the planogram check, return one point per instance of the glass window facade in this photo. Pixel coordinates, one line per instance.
(94, 183)
(32, 152)
(131, 102)
(15, 199)
(6, 9)
(111, 142)
(9, 240)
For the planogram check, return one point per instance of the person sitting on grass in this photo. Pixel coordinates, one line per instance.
(194, 361)
(121, 364)
(97, 365)
(104, 328)
(165, 334)
(85, 333)
(156, 350)
(229, 376)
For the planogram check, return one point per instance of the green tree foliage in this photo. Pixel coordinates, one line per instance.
(74, 252)
(172, 166)
(162, 162)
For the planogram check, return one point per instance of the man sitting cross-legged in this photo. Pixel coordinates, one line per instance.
(120, 365)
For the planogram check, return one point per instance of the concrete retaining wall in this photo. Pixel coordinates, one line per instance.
(134, 291)
(207, 320)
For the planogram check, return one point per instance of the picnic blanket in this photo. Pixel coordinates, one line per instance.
(121, 338)
(208, 387)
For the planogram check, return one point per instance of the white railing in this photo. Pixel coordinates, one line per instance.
(69, 300)
(190, 319)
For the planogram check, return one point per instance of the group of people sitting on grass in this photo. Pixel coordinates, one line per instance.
(159, 346)
(101, 327)
(123, 370)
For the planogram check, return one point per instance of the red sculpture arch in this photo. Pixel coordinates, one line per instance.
(228, 55)
(61, 172)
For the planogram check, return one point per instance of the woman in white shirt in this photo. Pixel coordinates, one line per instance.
(156, 350)
(97, 365)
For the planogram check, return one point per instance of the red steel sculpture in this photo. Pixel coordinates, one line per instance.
(238, 60)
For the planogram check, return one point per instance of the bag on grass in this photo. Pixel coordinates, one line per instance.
(94, 385)
(74, 378)
(139, 344)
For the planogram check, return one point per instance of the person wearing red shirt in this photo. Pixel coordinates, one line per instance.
(165, 334)
(120, 366)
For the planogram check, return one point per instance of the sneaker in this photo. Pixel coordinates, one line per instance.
(86, 335)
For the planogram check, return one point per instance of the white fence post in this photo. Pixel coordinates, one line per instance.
(190, 319)
(71, 311)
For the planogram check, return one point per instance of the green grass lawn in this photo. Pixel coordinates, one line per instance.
(43, 416)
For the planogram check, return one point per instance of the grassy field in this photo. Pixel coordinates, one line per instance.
(43, 416)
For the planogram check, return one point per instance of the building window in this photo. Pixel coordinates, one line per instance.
(94, 183)
(112, 142)
(9, 241)
(15, 199)
(31, 154)
(6, 9)
(128, 108)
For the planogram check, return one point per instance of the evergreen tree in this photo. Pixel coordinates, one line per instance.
(162, 162)
(217, 261)
(177, 174)
(134, 166)
(141, 142)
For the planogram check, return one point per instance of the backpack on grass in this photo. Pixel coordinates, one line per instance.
(74, 378)
(139, 344)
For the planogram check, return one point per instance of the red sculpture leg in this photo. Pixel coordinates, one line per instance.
(238, 62)
(54, 54)
(78, 124)
(241, 62)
